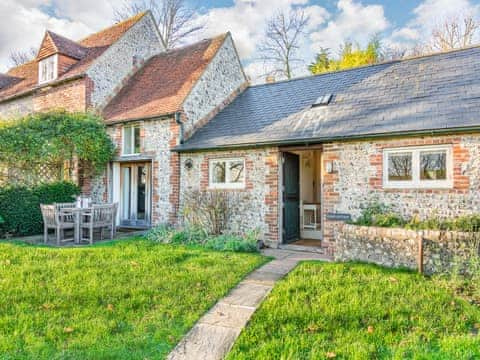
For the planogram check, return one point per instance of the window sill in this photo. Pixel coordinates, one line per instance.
(46, 82)
(223, 187)
(448, 186)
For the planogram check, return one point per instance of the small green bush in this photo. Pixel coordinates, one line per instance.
(377, 214)
(199, 237)
(464, 223)
(20, 205)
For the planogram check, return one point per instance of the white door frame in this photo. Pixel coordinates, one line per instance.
(118, 187)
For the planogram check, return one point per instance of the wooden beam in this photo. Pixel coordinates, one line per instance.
(301, 148)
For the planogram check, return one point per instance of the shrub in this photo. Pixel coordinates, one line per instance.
(464, 223)
(53, 140)
(20, 206)
(377, 214)
(208, 210)
(199, 237)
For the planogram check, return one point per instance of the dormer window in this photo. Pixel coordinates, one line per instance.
(47, 69)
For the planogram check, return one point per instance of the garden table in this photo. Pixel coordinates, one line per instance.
(78, 213)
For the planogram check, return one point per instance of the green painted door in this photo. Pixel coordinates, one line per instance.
(291, 197)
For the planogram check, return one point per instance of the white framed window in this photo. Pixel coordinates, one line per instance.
(48, 69)
(131, 140)
(418, 167)
(227, 173)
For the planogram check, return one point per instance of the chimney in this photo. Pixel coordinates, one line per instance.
(270, 79)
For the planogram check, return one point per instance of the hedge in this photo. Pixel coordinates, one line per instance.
(20, 206)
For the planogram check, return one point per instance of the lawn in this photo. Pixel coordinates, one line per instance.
(358, 311)
(131, 299)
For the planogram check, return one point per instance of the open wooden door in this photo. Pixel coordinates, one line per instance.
(291, 197)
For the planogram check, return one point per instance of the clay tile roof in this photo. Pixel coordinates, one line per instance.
(108, 36)
(67, 47)
(162, 84)
(92, 46)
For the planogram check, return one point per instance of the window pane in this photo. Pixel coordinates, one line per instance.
(433, 165)
(127, 140)
(218, 172)
(50, 64)
(137, 140)
(44, 69)
(400, 167)
(235, 174)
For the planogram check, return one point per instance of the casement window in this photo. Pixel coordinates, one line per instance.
(227, 173)
(131, 140)
(418, 167)
(47, 69)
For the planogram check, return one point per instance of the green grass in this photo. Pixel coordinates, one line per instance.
(131, 299)
(358, 311)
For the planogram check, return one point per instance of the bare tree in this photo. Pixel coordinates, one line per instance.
(453, 33)
(283, 36)
(176, 21)
(20, 57)
(393, 53)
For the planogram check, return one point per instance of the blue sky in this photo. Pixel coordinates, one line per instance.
(401, 23)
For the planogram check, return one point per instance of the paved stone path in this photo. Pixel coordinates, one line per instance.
(213, 335)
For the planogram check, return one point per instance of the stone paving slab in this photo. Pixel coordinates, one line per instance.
(247, 294)
(205, 342)
(281, 267)
(228, 315)
(264, 277)
(214, 334)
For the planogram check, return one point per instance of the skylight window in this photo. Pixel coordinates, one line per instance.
(323, 100)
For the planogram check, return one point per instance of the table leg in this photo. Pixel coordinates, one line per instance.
(77, 227)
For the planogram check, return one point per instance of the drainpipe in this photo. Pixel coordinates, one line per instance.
(178, 120)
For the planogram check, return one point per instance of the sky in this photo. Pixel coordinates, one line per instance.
(400, 23)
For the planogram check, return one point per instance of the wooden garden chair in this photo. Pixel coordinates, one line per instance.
(99, 217)
(53, 218)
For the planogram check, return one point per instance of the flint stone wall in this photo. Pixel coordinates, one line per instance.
(396, 247)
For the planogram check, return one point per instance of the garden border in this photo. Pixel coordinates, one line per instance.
(429, 251)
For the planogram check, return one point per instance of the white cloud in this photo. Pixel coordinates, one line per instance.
(427, 15)
(406, 33)
(353, 21)
(317, 16)
(246, 20)
(25, 25)
(93, 13)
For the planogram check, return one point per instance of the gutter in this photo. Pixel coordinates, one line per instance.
(143, 118)
(178, 120)
(317, 140)
(40, 87)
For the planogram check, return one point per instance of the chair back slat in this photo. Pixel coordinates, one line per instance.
(104, 213)
(60, 206)
(49, 215)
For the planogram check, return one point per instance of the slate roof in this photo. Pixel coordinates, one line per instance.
(93, 46)
(431, 93)
(163, 83)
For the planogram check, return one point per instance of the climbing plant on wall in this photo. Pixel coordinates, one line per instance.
(55, 140)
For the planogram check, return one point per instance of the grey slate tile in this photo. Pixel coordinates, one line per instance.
(434, 92)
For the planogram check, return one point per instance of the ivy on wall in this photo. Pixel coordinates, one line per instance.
(54, 139)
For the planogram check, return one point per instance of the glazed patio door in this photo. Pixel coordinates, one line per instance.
(135, 198)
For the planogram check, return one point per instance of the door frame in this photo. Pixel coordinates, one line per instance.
(286, 149)
(118, 187)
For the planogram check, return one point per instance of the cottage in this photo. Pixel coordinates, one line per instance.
(302, 155)
(317, 149)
